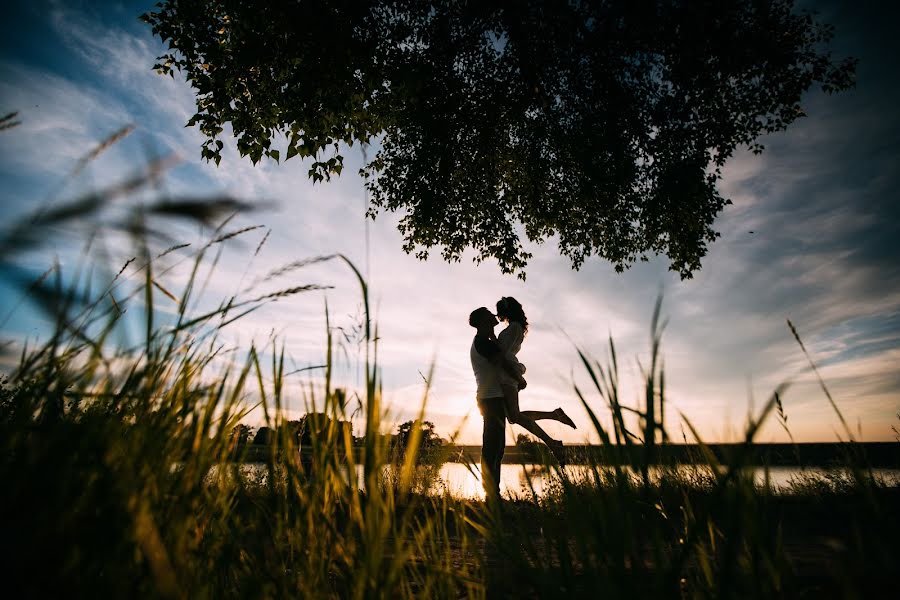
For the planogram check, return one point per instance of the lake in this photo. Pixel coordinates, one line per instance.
(518, 481)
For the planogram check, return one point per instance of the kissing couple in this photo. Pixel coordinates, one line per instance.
(499, 377)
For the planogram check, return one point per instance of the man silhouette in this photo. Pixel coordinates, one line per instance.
(487, 359)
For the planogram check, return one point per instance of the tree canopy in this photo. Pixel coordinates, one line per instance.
(604, 125)
(428, 437)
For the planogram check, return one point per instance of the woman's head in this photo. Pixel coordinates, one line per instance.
(509, 309)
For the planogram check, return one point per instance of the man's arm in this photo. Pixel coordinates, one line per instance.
(502, 361)
(492, 351)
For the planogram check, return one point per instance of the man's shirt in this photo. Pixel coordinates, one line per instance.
(484, 350)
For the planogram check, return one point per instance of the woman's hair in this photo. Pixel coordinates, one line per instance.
(509, 309)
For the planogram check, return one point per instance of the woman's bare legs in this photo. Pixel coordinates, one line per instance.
(553, 415)
(522, 418)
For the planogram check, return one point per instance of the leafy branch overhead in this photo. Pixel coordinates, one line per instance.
(604, 125)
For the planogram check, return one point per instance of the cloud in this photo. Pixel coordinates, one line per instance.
(60, 119)
(820, 202)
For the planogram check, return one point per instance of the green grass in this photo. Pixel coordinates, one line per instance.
(117, 464)
(107, 454)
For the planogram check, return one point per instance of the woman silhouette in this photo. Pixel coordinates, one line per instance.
(510, 339)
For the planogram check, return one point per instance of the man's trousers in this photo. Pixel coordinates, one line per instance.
(493, 442)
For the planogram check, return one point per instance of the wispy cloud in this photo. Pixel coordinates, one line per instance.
(821, 204)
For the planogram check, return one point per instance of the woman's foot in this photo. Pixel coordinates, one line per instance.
(563, 418)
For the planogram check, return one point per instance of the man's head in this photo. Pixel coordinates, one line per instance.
(482, 318)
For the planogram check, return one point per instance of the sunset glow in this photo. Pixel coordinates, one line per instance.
(810, 237)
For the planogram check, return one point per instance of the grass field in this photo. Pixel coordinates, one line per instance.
(107, 450)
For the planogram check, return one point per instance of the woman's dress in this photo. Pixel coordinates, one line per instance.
(510, 340)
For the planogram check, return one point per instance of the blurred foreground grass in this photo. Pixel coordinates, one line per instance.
(119, 479)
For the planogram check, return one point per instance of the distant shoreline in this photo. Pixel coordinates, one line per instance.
(876, 454)
(883, 455)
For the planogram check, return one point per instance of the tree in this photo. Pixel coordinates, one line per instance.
(429, 439)
(264, 437)
(318, 425)
(529, 446)
(603, 124)
(240, 436)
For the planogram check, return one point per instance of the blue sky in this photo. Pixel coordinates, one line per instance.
(821, 202)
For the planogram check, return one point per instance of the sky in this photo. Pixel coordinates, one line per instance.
(812, 236)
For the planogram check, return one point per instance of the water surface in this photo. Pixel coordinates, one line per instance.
(520, 480)
(526, 481)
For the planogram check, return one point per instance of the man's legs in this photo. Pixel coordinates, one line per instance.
(493, 443)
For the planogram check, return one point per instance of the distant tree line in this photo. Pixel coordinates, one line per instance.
(301, 431)
(311, 425)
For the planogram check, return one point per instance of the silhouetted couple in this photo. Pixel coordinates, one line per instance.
(499, 376)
